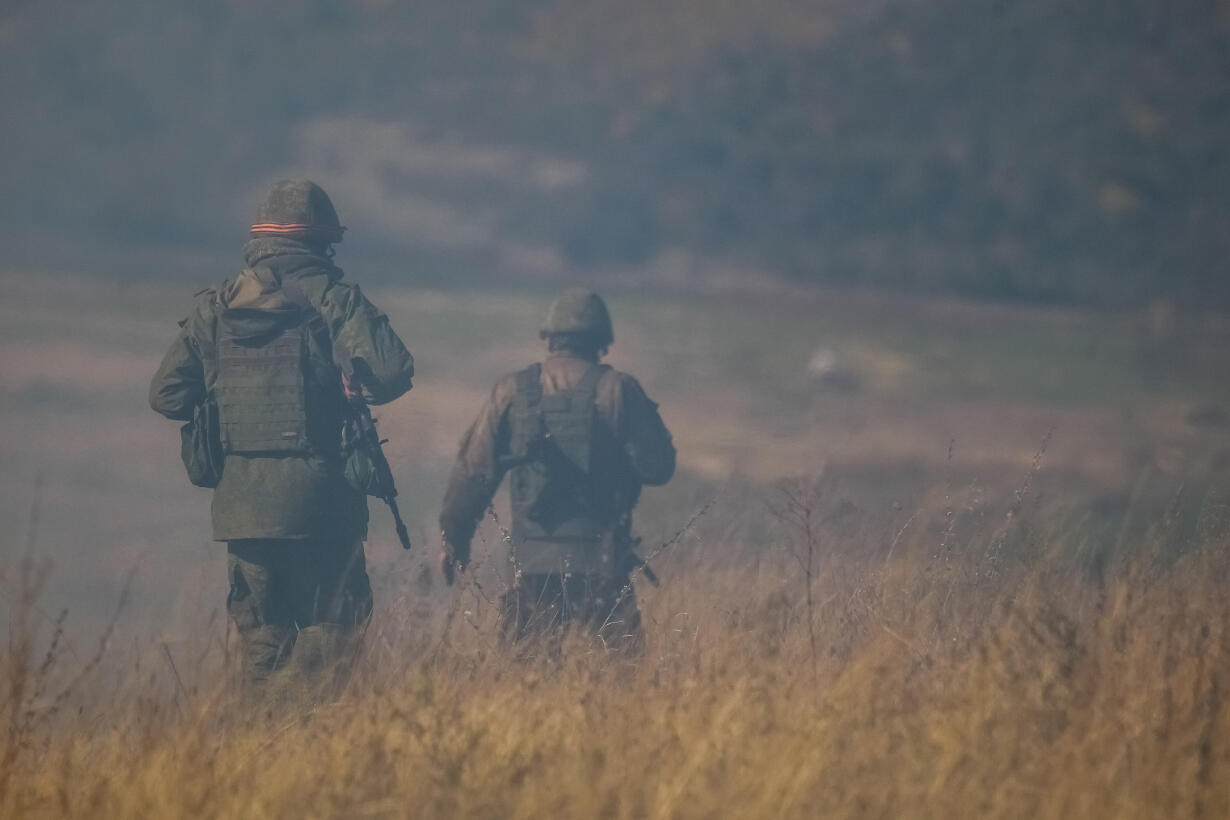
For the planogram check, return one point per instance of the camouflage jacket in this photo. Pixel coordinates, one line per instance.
(287, 496)
(622, 406)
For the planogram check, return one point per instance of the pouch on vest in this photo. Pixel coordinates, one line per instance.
(201, 447)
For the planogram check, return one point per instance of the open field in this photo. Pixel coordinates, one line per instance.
(1020, 522)
(937, 394)
(996, 678)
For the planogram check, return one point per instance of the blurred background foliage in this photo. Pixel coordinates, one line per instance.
(1044, 151)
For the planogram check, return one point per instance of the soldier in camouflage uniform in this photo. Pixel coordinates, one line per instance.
(272, 347)
(579, 439)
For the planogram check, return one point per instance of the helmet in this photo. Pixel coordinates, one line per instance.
(300, 209)
(577, 310)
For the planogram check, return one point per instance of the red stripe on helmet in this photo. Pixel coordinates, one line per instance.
(286, 228)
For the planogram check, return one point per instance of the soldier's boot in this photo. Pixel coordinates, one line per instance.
(321, 661)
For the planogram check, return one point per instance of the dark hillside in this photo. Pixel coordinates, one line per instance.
(1043, 151)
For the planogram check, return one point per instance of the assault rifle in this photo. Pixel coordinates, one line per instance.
(536, 451)
(380, 483)
(640, 563)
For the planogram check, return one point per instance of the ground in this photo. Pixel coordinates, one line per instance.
(1015, 513)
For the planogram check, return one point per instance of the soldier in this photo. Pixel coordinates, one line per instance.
(580, 440)
(275, 351)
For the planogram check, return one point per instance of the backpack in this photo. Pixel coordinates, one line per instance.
(270, 355)
(560, 518)
(262, 400)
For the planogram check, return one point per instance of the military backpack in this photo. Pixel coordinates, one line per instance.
(561, 518)
(268, 366)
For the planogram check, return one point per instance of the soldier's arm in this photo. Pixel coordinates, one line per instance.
(363, 342)
(179, 384)
(477, 473)
(646, 441)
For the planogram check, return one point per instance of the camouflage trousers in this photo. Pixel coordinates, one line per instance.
(542, 609)
(297, 606)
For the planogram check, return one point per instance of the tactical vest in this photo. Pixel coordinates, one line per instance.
(561, 522)
(265, 383)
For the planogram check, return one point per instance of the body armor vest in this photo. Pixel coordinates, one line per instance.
(561, 520)
(267, 380)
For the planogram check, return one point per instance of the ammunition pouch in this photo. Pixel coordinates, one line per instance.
(201, 446)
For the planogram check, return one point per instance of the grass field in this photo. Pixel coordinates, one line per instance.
(1017, 564)
(997, 678)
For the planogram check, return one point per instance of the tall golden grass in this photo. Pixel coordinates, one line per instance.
(999, 678)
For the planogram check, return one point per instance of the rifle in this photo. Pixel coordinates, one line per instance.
(381, 482)
(640, 563)
(366, 468)
(632, 559)
(536, 451)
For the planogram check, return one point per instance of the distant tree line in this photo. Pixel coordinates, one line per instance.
(1043, 151)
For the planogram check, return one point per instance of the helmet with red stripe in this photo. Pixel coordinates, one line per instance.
(300, 209)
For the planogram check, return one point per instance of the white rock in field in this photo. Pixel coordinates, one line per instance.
(828, 370)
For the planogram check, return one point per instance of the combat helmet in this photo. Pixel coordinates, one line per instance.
(300, 209)
(578, 310)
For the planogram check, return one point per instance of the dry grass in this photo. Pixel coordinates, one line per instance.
(995, 678)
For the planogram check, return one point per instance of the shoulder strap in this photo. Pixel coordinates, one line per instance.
(587, 387)
(316, 324)
(208, 341)
(526, 411)
(529, 388)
